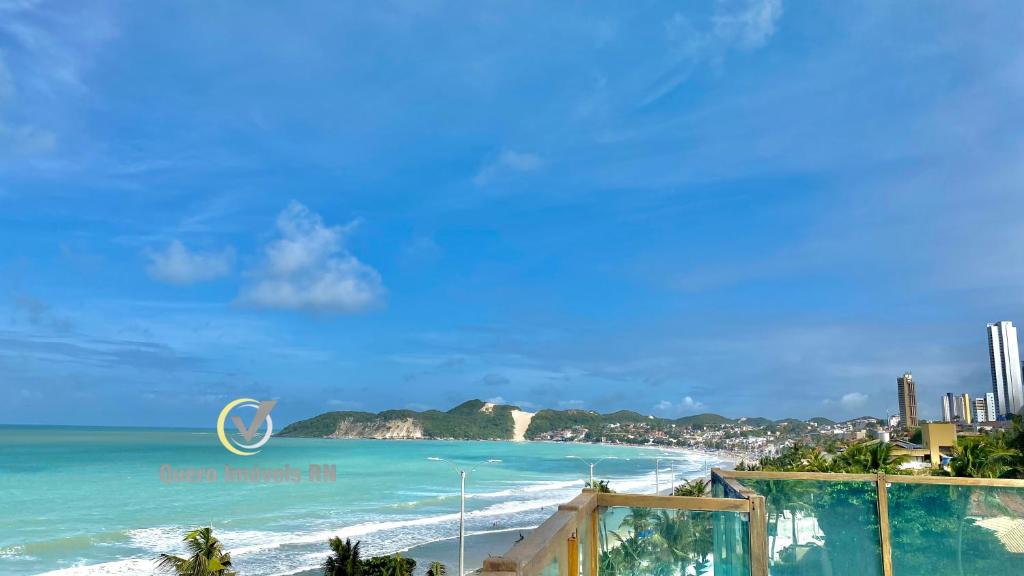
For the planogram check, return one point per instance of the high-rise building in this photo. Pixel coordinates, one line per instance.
(1004, 360)
(980, 410)
(990, 407)
(947, 407)
(957, 408)
(908, 400)
(965, 411)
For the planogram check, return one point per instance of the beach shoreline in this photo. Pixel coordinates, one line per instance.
(418, 519)
(479, 546)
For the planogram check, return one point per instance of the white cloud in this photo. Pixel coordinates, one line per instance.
(47, 54)
(687, 404)
(853, 400)
(177, 265)
(508, 161)
(19, 138)
(734, 25)
(747, 23)
(309, 268)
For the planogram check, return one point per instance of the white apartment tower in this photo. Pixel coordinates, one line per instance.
(947, 407)
(980, 412)
(1004, 359)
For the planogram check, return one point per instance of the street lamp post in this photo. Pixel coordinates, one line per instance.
(592, 464)
(657, 473)
(657, 476)
(672, 476)
(462, 472)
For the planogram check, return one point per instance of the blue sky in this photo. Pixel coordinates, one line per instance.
(747, 207)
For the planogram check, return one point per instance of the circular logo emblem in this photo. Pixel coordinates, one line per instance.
(257, 414)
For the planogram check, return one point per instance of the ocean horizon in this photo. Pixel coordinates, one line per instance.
(89, 500)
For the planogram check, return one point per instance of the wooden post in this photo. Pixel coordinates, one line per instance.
(883, 525)
(758, 532)
(562, 556)
(499, 566)
(574, 555)
(593, 544)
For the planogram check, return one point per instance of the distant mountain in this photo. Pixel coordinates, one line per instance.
(548, 421)
(704, 420)
(756, 422)
(479, 420)
(821, 421)
(472, 420)
(790, 421)
(872, 418)
(626, 416)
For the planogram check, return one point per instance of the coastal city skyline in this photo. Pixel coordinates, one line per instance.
(999, 404)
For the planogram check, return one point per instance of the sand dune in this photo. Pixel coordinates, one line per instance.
(522, 422)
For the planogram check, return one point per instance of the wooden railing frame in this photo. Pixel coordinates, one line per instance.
(891, 478)
(559, 535)
(700, 504)
(757, 528)
(549, 540)
(882, 483)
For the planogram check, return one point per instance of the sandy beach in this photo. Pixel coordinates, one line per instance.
(478, 548)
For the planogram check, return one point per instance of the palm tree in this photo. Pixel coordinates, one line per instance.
(855, 459)
(640, 520)
(670, 540)
(869, 457)
(980, 460)
(599, 486)
(883, 459)
(628, 556)
(818, 463)
(437, 569)
(344, 561)
(695, 487)
(206, 557)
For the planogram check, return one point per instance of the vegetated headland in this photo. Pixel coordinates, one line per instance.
(479, 420)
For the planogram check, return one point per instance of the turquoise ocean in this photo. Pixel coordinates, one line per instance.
(90, 501)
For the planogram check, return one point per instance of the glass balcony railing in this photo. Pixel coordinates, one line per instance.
(785, 524)
(821, 527)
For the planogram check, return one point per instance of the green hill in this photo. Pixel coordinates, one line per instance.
(624, 416)
(467, 421)
(789, 421)
(872, 418)
(324, 424)
(546, 421)
(478, 420)
(821, 421)
(704, 420)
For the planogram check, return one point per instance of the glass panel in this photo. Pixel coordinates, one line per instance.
(717, 487)
(821, 527)
(940, 530)
(583, 534)
(731, 537)
(552, 567)
(641, 541)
